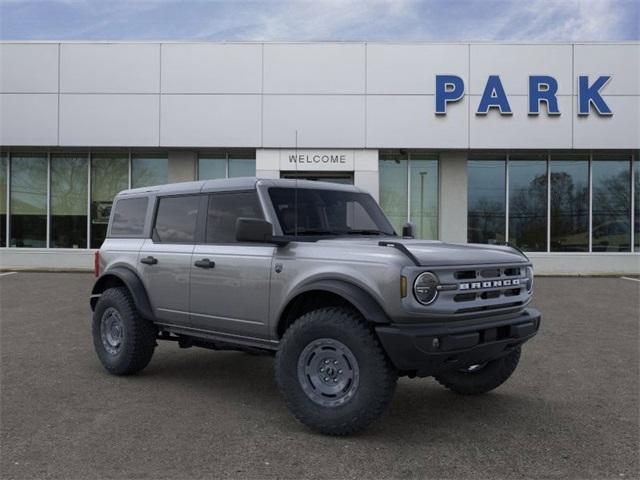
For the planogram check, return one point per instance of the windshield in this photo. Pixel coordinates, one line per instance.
(328, 212)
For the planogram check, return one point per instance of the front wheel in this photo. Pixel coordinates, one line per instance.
(332, 372)
(482, 378)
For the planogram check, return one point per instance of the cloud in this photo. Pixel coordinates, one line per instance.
(332, 20)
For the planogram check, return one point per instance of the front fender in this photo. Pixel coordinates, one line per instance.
(359, 298)
(132, 281)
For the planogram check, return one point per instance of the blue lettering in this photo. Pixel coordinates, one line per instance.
(494, 97)
(538, 94)
(590, 95)
(449, 88)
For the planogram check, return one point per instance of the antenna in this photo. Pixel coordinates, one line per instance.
(295, 192)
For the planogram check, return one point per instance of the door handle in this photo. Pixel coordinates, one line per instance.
(205, 263)
(149, 260)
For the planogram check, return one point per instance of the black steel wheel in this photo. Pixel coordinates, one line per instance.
(333, 373)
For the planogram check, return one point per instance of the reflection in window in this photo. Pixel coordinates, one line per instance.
(69, 201)
(227, 165)
(212, 167)
(149, 170)
(4, 161)
(636, 189)
(611, 182)
(393, 188)
(424, 196)
(486, 201)
(528, 202)
(242, 164)
(109, 175)
(569, 203)
(176, 219)
(28, 220)
(223, 212)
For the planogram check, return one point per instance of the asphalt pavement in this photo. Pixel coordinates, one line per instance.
(571, 410)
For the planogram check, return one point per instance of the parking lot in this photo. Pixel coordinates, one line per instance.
(570, 411)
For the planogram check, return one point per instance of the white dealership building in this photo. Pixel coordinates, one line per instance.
(533, 144)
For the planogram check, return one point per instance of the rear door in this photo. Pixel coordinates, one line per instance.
(165, 259)
(230, 280)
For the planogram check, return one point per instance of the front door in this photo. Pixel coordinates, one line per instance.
(165, 259)
(230, 280)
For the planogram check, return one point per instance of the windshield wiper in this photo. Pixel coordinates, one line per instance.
(319, 232)
(365, 232)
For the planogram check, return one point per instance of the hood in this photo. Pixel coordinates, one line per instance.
(435, 253)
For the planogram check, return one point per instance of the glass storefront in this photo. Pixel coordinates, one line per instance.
(611, 214)
(226, 165)
(28, 202)
(68, 207)
(528, 202)
(147, 170)
(4, 165)
(486, 199)
(569, 214)
(636, 202)
(409, 191)
(109, 175)
(549, 195)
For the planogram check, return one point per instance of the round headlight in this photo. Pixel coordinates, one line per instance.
(529, 279)
(425, 288)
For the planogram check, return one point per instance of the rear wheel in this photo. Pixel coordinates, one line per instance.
(124, 341)
(332, 372)
(481, 378)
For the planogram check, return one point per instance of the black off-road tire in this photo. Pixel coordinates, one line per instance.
(376, 379)
(138, 336)
(485, 379)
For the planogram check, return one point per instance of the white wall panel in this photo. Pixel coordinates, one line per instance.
(514, 64)
(109, 120)
(409, 121)
(521, 130)
(321, 121)
(314, 68)
(621, 130)
(28, 68)
(210, 120)
(28, 119)
(211, 68)
(110, 68)
(620, 61)
(412, 69)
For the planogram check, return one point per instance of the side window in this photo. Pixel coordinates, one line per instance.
(128, 217)
(176, 219)
(224, 210)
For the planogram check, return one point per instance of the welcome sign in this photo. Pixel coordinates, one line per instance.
(317, 160)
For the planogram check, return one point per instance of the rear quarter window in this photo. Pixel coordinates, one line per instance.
(128, 217)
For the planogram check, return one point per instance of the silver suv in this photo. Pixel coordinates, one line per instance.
(315, 274)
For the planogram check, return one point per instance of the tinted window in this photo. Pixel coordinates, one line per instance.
(328, 212)
(176, 219)
(225, 209)
(128, 217)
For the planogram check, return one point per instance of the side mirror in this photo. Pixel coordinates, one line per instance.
(256, 230)
(407, 230)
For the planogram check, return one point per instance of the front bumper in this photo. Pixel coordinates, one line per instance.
(429, 349)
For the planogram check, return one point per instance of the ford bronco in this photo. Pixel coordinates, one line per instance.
(315, 274)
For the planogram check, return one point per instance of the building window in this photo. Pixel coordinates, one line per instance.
(68, 207)
(148, 170)
(409, 191)
(486, 199)
(636, 202)
(4, 165)
(28, 202)
(227, 165)
(611, 214)
(528, 201)
(109, 175)
(569, 211)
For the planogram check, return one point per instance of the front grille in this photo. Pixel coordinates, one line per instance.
(482, 289)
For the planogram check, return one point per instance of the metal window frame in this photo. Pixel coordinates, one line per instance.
(48, 231)
(8, 199)
(89, 192)
(590, 226)
(506, 195)
(633, 205)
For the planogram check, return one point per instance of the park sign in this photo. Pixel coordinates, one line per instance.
(542, 89)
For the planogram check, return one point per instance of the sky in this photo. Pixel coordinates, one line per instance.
(321, 20)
